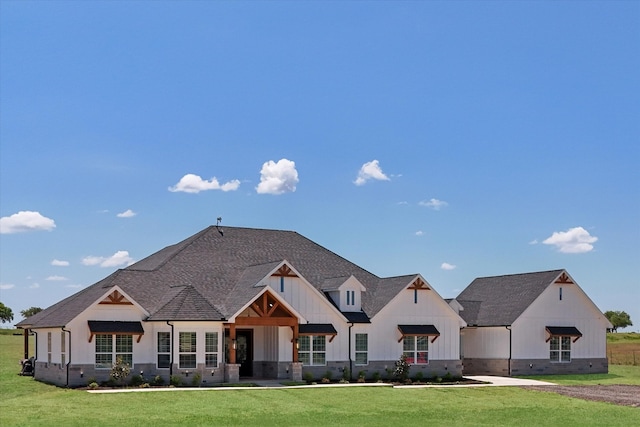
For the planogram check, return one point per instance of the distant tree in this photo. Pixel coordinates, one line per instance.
(30, 311)
(619, 319)
(6, 315)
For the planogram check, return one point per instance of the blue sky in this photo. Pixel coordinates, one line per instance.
(451, 139)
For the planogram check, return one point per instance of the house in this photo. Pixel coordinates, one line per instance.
(242, 302)
(528, 324)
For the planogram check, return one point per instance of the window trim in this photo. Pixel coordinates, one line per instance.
(215, 352)
(560, 340)
(193, 349)
(414, 357)
(361, 352)
(312, 352)
(163, 353)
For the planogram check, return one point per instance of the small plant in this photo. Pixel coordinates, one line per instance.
(361, 376)
(343, 381)
(346, 374)
(448, 376)
(196, 380)
(136, 381)
(328, 375)
(376, 377)
(145, 385)
(157, 380)
(175, 380)
(120, 371)
(325, 380)
(401, 372)
(308, 377)
(93, 385)
(419, 377)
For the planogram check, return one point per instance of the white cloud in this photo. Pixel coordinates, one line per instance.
(278, 178)
(447, 266)
(434, 204)
(25, 221)
(56, 278)
(60, 263)
(534, 242)
(34, 286)
(6, 286)
(191, 183)
(419, 233)
(127, 214)
(370, 170)
(115, 260)
(573, 241)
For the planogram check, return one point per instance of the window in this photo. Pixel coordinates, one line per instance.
(560, 294)
(187, 350)
(107, 346)
(48, 347)
(211, 349)
(560, 349)
(104, 351)
(416, 349)
(362, 347)
(312, 351)
(351, 297)
(164, 350)
(63, 348)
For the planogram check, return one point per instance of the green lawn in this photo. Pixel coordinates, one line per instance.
(25, 402)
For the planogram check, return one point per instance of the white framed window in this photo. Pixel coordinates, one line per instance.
(351, 297)
(362, 349)
(560, 349)
(164, 350)
(188, 345)
(416, 349)
(211, 349)
(108, 345)
(313, 350)
(63, 348)
(49, 347)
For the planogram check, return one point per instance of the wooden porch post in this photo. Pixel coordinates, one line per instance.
(295, 343)
(26, 343)
(232, 336)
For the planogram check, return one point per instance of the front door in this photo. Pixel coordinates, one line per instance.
(244, 352)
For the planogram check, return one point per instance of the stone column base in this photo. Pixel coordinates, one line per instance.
(296, 371)
(232, 373)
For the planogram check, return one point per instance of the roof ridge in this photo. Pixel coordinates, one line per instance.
(521, 274)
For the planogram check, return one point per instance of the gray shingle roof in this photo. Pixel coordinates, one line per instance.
(208, 276)
(500, 300)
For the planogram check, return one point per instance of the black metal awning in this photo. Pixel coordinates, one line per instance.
(115, 328)
(317, 329)
(418, 330)
(563, 331)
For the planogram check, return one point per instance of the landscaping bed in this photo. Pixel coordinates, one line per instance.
(625, 395)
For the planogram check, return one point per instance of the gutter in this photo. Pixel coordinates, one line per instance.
(171, 362)
(510, 341)
(69, 353)
(350, 360)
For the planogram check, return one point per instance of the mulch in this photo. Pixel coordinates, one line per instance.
(625, 395)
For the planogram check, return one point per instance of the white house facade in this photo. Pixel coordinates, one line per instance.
(532, 323)
(243, 303)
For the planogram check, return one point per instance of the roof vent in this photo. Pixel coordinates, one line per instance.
(221, 231)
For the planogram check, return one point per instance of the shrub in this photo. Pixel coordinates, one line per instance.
(196, 380)
(136, 381)
(93, 385)
(328, 375)
(308, 377)
(346, 374)
(419, 376)
(157, 380)
(448, 376)
(376, 376)
(120, 371)
(361, 376)
(175, 380)
(401, 372)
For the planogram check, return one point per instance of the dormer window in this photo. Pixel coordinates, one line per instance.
(351, 297)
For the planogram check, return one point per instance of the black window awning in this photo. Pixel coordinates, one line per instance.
(563, 331)
(115, 328)
(317, 329)
(418, 330)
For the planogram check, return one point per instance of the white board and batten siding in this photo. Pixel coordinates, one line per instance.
(574, 309)
(430, 309)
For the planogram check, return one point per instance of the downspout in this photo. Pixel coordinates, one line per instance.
(509, 362)
(69, 353)
(35, 356)
(350, 359)
(171, 362)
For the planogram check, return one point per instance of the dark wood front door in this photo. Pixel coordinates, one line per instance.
(244, 352)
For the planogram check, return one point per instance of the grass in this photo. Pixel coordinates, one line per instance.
(25, 402)
(623, 348)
